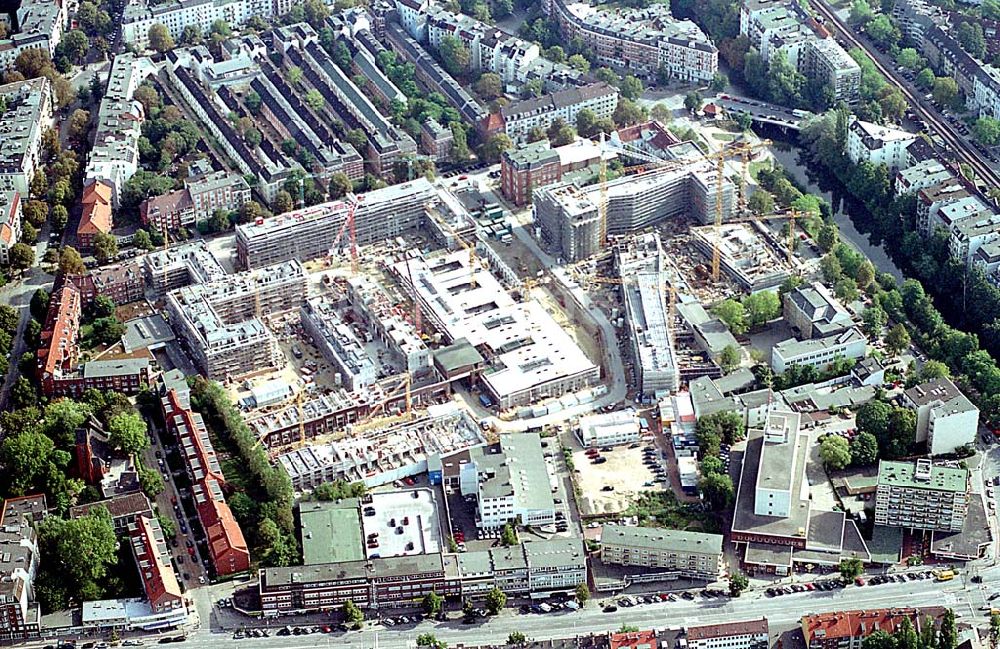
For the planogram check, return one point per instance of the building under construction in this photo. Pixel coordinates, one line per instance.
(189, 263)
(339, 343)
(387, 454)
(642, 266)
(745, 254)
(570, 217)
(220, 322)
(380, 306)
(312, 232)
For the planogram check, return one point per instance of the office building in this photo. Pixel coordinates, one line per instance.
(609, 429)
(688, 555)
(814, 312)
(528, 355)
(537, 165)
(819, 353)
(510, 482)
(775, 524)
(921, 495)
(751, 634)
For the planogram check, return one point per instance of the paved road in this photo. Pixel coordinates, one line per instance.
(18, 295)
(961, 148)
(782, 612)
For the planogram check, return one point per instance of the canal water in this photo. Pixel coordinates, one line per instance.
(792, 158)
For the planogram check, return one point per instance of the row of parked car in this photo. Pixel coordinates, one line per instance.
(826, 584)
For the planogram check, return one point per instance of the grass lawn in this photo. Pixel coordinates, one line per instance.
(757, 165)
(724, 137)
(661, 509)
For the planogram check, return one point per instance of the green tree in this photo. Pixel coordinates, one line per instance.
(160, 39)
(454, 55)
(897, 339)
(516, 638)
(994, 626)
(835, 452)
(83, 548)
(900, 435)
(314, 99)
(883, 31)
(429, 640)
(737, 584)
(508, 536)
(945, 91)
(730, 358)
(851, 569)
(39, 304)
(828, 236)
(582, 594)
(972, 39)
(432, 604)
(864, 449)
(495, 146)
(873, 418)
(986, 130)
(127, 432)
(933, 369)
(103, 307)
(578, 62)
(142, 240)
(105, 247)
(948, 634)
(909, 58)
(167, 525)
(874, 320)
(880, 639)
(496, 599)
(489, 86)
(107, 331)
(717, 488)
(353, 616)
(21, 256)
(925, 79)
(631, 87)
(761, 308)
(692, 101)
(25, 458)
(761, 202)
(734, 314)
(150, 482)
(62, 419)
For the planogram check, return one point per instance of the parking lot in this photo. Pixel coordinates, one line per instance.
(610, 478)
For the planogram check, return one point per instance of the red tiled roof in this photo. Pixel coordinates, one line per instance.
(59, 349)
(861, 624)
(96, 215)
(633, 640)
(152, 557)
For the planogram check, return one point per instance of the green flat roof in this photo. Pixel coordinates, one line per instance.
(331, 532)
(942, 478)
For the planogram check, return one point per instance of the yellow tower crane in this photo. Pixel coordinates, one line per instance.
(744, 150)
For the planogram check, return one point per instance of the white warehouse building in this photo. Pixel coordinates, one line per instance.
(611, 429)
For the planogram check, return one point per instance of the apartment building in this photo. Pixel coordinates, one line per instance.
(946, 419)
(310, 232)
(931, 199)
(436, 140)
(121, 283)
(433, 76)
(29, 112)
(152, 558)
(750, 634)
(196, 202)
(219, 322)
(10, 223)
(915, 17)
(868, 142)
(123, 509)
(848, 629)
(986, 91)
(814, 312)
(921, 495)
(643, 42)
(510, 482)
(140, 15)
(951, 214)
(608, 429)
(819, 353)
(339, 343)
(59, 351)
(920, 175)
(96, 217)
(20, 614)
(691, 555)
(520, 117)
(780, 26)
(969, 235)
(188, 263)
(228, 552)
(114, 158)
(39, 26)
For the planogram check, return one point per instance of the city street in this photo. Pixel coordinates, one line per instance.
(782, 612)
(18, 295)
